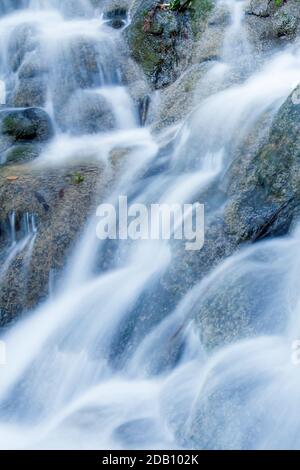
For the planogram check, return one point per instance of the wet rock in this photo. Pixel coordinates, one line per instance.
(24, 152)
(30, 87)
(135, 81)
(24, 125)
(22, 41)
(285, 22)
(116, 18)
(264, 201)
(161, 40)
(176, 100)
(269, 23)
(262, 190)
(209, 45)
(87, 112)
(266, 197)
(60, 206)
(262, 8)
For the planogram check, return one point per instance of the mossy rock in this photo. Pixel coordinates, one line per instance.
(161, 40)
(266, 198)
(22, 153)
(23, 125)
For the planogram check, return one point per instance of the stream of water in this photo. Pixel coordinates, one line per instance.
(60, 387)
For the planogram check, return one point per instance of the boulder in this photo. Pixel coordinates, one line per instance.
(270, 23)
(87, 112)
(23, 152)
(262, 8)
(26, 125)
(30, 87)
(161, 39)
(266, 197)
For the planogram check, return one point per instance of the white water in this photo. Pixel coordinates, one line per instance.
(75, 376)
(21, 242)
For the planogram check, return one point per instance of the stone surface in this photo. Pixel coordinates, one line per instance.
(60, 199)
(24, 125)
(161, 40)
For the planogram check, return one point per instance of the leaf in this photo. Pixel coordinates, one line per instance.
(12, 178)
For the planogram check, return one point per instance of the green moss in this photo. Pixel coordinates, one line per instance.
(20, 153)
(78, 178)
(8, 125)
(200, 10)
(153, 34)
(144, 47)
(174, 5)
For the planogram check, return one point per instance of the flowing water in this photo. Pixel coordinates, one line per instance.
(72, 380)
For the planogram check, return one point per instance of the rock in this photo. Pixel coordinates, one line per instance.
(266, 198)
(285, 23)
(161, 40)
(22, 41)
(268, 23)
(209, 44)
(24, 152)
(58, 200)
(24, 125)
(262, 187)
(30, 87)
(116, 17)
(60, 206)
(29, 92)
(87, 112)
(137, 85)
(176, 100)
(262, 8)
(84, 64)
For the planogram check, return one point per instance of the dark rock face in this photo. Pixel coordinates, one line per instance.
(260, 8)
(23, 125)
(268, 189)
(116, 18)
(23, 132)
(161, 40)
(22, 152)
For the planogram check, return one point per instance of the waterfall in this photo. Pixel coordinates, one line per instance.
(86, 369)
